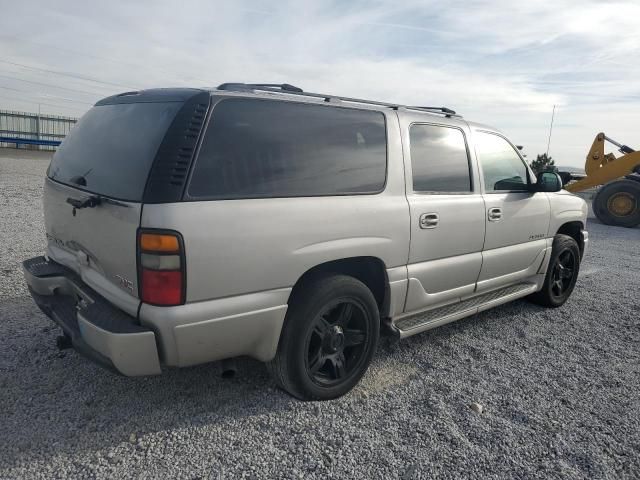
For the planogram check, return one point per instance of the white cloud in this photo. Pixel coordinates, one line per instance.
(500, 62)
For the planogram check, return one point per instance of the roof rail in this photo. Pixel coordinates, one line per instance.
(437, 109)
(288, 89)
(285, 87)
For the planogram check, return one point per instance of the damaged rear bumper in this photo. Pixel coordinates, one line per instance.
(97, 329)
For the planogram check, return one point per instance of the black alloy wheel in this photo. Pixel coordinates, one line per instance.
(336, 345)
(329, 336)
(563, 272)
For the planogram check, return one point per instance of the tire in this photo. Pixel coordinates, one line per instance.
(618, 203)
(562, 273)
(329, 337)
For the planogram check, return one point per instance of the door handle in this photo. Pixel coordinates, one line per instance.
(495, 214)
(429, 220)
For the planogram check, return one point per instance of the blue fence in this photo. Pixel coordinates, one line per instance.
(29, 141)
(33, 131)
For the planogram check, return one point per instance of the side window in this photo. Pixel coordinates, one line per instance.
(502, 167)
(439, 159)
(264, 148)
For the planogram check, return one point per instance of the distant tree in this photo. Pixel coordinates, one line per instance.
(542, 162)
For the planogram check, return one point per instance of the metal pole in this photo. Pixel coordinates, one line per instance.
(38, 127)
(553, 113)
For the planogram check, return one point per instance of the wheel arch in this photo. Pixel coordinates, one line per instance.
(574, 230)
(369, 270)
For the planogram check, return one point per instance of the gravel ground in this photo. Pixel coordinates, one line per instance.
(560, 390)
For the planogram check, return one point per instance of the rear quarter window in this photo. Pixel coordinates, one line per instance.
(262, 148)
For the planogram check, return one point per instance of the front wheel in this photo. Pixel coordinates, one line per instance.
(329, 337)
(562, 273)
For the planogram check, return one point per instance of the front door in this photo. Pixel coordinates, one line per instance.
(517, 219)
(447, 216)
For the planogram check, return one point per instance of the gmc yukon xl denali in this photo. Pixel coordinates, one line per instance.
(186, 226)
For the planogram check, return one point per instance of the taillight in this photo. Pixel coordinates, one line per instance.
(162, 269)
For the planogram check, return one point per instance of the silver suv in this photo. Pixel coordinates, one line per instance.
(186, 226)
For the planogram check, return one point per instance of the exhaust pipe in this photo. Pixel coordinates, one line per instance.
(229, 368)
(63, 342)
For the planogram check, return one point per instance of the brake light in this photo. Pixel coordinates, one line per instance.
(161, 288)
(161, 266)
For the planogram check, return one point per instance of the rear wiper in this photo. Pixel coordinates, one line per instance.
(93, 201)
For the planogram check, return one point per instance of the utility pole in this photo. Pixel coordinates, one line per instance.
(553, 113)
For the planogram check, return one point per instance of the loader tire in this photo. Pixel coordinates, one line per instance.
(618, 203)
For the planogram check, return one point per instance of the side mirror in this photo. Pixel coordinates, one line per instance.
(548, 182)
(565, 176)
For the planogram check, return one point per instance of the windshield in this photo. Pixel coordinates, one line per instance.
(111, 149)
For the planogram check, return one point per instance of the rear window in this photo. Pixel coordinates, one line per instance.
(263, 148)
(111, 149)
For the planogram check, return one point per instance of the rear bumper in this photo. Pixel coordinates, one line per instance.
(98, 330)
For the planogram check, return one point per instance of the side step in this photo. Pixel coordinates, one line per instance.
(419, 322)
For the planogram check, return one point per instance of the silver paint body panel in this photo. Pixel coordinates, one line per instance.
(97, 243)
(243, 257)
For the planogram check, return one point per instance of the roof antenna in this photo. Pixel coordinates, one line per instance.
(551, 129)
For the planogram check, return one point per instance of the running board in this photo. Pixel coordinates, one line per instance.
(419, 322)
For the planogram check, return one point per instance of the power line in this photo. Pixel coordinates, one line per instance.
(42, 84)
(67, 74)
(54, 96)
(20, 100)
(97, 57)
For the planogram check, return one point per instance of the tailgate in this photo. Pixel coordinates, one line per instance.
(107, 156)
(98, 243)
(127, 150)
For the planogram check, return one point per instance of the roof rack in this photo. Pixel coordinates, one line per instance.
(293, 90)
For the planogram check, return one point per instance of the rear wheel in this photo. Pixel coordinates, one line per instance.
(329, 337)
(562, 273)
(618, 203)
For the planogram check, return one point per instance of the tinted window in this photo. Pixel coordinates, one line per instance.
(502, 167)
(439, 159)
(262, 148)
(111, 149)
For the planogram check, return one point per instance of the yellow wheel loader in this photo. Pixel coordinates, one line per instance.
(618, 200)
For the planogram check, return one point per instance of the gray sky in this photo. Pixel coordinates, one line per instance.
(501, 62)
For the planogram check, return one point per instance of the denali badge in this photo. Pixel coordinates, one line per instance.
(124, 283)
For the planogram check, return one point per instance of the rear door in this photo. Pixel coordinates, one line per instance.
(447, 215)
(517, 219)
(107, 155)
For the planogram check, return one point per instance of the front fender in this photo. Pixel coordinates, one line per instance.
(565, 208)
